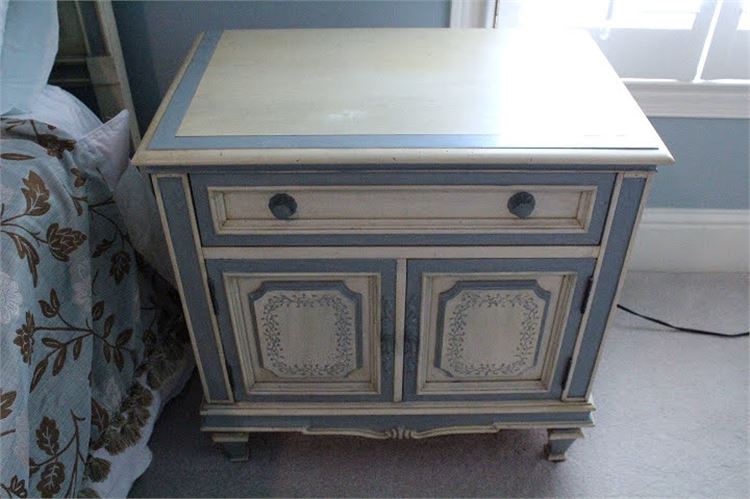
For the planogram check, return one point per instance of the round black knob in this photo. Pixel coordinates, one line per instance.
(521, 204)
(283, 206)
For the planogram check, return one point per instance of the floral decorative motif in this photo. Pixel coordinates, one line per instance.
(53, 476)
(16, 487)
(63, 241)
(120, 266)
(54, 145)
(77, 334)
(400, 433)
(342, 360)
(6, 403)
(36, 195)
(25, 338)
(456, 335)
(60, 241)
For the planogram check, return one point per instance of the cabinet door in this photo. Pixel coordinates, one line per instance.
(491, 329)
(307, 330)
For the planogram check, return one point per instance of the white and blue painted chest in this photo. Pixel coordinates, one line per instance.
(398, 233)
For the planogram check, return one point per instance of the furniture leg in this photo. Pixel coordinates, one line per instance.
(558, 441)
(234, 445)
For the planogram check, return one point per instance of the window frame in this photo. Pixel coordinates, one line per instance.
(657, 97)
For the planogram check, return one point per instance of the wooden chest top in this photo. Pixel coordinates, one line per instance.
(438, 96)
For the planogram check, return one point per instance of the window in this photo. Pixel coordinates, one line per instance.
(744, 22)
(683, 58)
(605, 14)
(728, 56)
(682, 40)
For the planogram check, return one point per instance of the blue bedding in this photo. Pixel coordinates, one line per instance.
(90, 334)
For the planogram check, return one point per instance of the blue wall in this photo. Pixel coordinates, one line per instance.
(156, 35)
(711, 166)
(712, 154)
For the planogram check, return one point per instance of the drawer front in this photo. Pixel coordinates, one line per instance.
(401, 208)
(307, 330)
(491, 329)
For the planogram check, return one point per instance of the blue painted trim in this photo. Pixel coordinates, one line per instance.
(165, 137)
(387, 271)
(445, 296)
(415, 422)
(339, 286)
(606, 288)
(176, 210)
(183, 94)
(603, 181)
(584, 267)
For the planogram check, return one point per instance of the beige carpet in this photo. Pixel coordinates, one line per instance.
(672, 420)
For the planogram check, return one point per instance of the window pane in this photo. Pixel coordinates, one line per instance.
(643, 14)
(659, 39)
(729, 55)
(655, 14)
(573, 14)
(744, 23)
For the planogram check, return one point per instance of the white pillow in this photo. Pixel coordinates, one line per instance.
(59, 108)
(27, 52)
(108, 146)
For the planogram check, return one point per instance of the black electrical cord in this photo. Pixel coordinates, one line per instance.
(679, 328)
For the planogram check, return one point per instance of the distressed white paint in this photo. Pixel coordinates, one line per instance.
(306, 335)
(595, 280)
(512, 86)
(623, 272)
(395, 408)
(439, 252)
(416, 81)
(263, 158)
(401, 209)
(204, 277)
(545, 97)
(492, 336)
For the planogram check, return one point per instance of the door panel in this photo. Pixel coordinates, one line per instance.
(306, 330)
(491, 329)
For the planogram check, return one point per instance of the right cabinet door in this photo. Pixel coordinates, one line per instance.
(491, 329)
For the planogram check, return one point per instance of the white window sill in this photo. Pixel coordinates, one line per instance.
(691, 99)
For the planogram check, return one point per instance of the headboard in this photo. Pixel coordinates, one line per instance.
(89, 61)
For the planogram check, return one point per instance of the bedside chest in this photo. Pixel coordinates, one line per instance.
(398, 233)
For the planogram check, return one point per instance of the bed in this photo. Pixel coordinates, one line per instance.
(93, 341)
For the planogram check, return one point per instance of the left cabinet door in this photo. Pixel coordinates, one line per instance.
(306, 330)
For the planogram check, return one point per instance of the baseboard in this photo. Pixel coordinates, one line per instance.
(692, 240)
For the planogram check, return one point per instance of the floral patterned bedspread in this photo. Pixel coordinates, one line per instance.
(88, 331)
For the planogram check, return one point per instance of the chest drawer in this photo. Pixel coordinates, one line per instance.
(401, 208)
